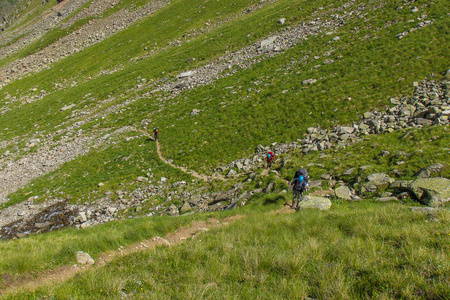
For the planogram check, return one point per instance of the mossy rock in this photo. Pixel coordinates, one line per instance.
(429, 191)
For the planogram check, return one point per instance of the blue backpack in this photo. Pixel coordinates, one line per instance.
(301, 179)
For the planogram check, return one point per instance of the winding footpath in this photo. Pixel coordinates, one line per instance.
(64, 273)
(185, 170)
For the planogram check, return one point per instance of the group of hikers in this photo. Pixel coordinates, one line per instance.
(299, 184)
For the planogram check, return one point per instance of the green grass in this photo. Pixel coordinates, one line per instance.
(58, 248)
(410, 151)
(116, 166)
(354, 251)
(367, 250)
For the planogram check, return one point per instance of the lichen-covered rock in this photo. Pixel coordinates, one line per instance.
(377, 181)
(343, 192)
(84, 258)
(316, 202)
(429, 191)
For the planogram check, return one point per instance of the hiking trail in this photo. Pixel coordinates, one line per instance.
(185, 170)
(64, 273)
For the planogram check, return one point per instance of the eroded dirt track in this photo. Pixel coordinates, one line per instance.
(63, 273)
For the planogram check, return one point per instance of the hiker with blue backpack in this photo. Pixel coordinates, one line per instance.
(299, 185)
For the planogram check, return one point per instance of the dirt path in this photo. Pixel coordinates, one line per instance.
(185, 170)
(64, 273)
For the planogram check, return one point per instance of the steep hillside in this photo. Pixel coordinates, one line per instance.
(356, 91)
(84, 82)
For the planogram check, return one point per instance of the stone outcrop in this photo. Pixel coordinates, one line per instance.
(429, 191)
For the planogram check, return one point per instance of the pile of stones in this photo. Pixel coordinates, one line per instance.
(429, 105)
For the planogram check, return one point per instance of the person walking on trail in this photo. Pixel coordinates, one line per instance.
(299, 185)
(270, 158)
(155, 133)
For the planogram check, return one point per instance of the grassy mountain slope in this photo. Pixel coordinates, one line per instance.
(242, 97)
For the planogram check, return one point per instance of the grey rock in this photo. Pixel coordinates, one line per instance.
(343, 192)
(81, 218)
(186, 74)
(421, 121)
(268, 41)
(231, 173)
(315, 202)
(142, 179)
(195, 199)
(84, 258)
(428, 191)
(380, 179)
(368, 115)
(195, 112)
(173, 211)
(281, 21)
(385, 153)
(430, 170)
(111, 211)
(185, 207)
(309, 81)
(269, 188)
(345, 130)
(311, 130)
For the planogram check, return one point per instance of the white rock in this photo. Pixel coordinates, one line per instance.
(84, 258)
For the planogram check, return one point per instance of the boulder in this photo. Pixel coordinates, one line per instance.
(376, 182)
(380, 179)
(316, 202)
(428, 191)
(421, 121)
(343, 192)
(195, 199)
(345, 130)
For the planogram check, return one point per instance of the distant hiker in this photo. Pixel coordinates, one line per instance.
(299, 185)
(270, 158)
(155, 133)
